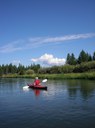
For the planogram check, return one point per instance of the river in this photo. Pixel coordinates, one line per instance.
(65, 104)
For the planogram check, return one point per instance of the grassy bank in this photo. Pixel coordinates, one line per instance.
(87, 75)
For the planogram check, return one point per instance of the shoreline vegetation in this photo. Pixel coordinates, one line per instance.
(82, 67)
(86, 75)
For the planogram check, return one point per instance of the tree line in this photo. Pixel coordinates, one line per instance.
(84, 62)
(20, 69)
(83, 57)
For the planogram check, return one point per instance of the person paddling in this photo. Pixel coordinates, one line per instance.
(37, 82)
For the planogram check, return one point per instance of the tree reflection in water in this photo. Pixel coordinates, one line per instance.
(84, 87)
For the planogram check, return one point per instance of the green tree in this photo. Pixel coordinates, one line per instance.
(21, 69)
(11, 68)
(67, 68)
(89, 57)
(94, 56)
(73, 60)
(68, 59)
(30, 71)
(35, 67)
(6, 69)
(1, 72)
(83, 57)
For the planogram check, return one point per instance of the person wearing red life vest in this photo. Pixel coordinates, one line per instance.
(37, 82)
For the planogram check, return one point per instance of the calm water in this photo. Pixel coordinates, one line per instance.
(66, 104)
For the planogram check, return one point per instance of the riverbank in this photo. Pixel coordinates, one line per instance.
(86, 75)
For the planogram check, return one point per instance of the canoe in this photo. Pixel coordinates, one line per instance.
(37, 87)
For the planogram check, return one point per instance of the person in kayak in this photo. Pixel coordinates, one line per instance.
(37, 82)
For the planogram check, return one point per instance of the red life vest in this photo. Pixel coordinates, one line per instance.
(37, 82)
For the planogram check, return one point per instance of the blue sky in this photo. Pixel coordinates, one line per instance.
(45, 31)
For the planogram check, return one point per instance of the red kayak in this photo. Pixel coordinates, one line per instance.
(37, 86)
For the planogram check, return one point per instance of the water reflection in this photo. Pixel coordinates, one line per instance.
(72, 88)
(84, 87)
(37, 92)
(63, 104)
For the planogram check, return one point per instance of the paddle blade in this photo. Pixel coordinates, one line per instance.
(45, 80)
(25, 87)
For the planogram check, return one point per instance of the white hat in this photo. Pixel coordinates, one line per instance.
(36, 77)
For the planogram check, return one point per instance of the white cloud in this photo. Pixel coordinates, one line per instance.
(40, 41)
(49, 60)
(11, 47)
(63, 38)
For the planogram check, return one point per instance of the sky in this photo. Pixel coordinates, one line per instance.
(45, 31)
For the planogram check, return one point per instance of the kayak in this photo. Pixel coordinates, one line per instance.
(37, 87)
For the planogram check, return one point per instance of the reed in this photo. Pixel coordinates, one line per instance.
(86, 75)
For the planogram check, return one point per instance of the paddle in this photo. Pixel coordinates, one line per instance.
(45, 80)
(26, 87)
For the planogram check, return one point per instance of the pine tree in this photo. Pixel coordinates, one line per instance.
(83, 57)
(73, 60)
(68, 59)
(94, 56)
